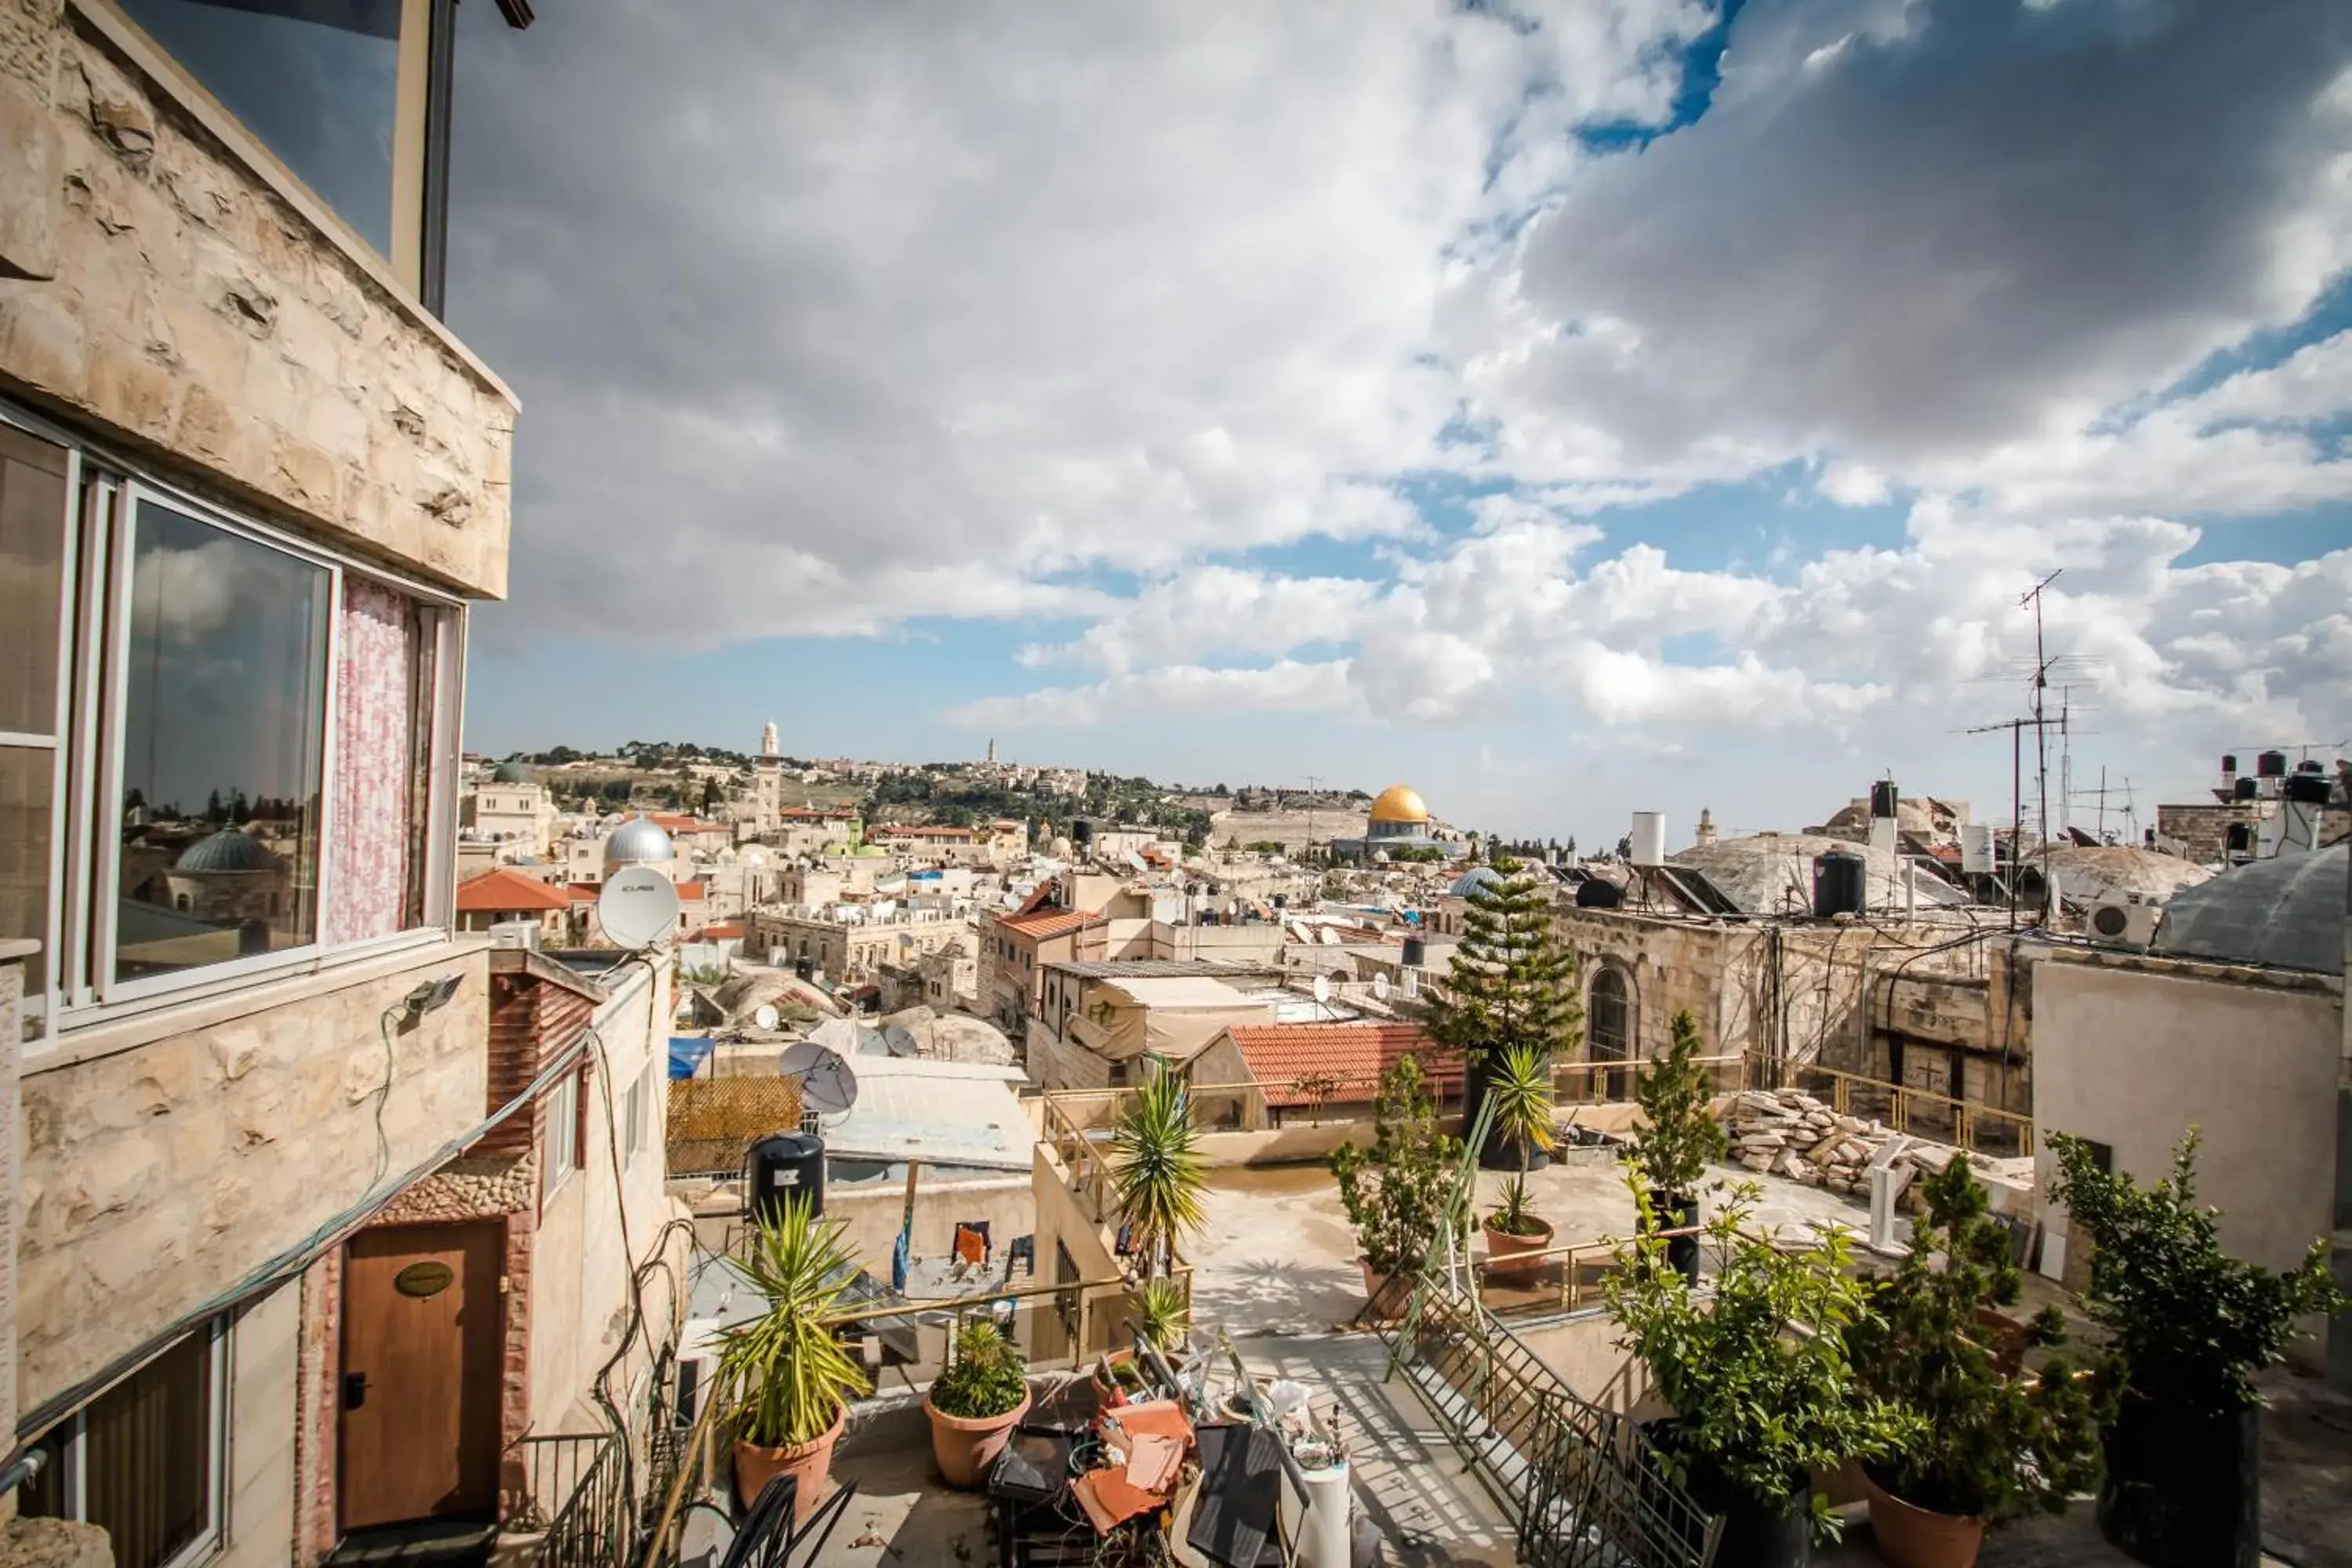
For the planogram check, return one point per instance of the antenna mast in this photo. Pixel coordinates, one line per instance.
(2033, 599)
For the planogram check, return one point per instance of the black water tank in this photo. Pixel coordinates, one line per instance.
(1416, 953)
(1595, 893)
(785, 1165)
(2242, 838)
(1841, 885)
(2271, 764)
(2310, 789)
(2246, 787)
(2229, 763)
(1082, 831)
(1881, 798)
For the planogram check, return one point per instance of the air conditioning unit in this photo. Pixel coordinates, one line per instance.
(516, 933)
(2124, 923)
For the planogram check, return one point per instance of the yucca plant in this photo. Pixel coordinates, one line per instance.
(1162, 1313)
(786, 1372)
(1156, 1171)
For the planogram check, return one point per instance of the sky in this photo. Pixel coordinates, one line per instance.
(1568, 408)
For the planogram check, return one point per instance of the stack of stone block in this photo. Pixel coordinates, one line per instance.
(1788, 1132)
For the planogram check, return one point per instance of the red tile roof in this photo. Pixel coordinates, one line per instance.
(689, 892)
(503, 891)
(1353, 1055)
(1046, 923)
(722, 930)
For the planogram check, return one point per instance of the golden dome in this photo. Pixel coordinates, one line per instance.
(1398, 803)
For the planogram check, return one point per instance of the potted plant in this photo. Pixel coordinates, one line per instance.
(974, 1404)
(1156, 1172)
(1758, 1375)
(1162, 1314)
(1519, 1091)
(1399, 1193)
(1680, 1135)
(786, 1373)
(1993, 1443)
(2193, 1325)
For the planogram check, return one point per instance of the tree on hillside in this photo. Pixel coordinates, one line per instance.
(1512, 986)
(711, 796)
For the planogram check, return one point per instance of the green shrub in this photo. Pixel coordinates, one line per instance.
(986, 1378)
(1399, 1194)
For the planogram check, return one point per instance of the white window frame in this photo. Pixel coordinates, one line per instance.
(633, 1116)
(75, 1479)
(560, 1142)
(104, 493)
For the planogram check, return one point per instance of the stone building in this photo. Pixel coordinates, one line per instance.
(247, 473)
(510, 809)
(848, 943)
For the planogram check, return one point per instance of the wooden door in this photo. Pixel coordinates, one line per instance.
(421, 1373)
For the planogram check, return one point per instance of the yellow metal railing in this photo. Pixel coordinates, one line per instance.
(1919, 1112)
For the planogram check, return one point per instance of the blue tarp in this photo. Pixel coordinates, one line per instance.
(686, 1054)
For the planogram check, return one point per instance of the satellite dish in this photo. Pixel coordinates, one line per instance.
(766, 1016)
(638, 907)
(1322, 988)
(1380, 987)
(828, 1087)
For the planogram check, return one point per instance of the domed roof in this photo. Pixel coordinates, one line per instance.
(230, 849)
(638, 842)
(2287, 912)
(1473, 880)
(1399, 803)
(511, 773)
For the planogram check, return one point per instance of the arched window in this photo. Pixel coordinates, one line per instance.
(1609, 1028)
(180, 902)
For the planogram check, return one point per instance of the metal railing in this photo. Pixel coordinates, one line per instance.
(575, 1497)
(1922, 1113)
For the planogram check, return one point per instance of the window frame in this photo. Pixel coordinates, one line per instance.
(74, 1478)
(105, 491)
(564, 1099)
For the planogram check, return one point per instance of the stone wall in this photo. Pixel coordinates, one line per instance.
(160, 1173)
(156, 284)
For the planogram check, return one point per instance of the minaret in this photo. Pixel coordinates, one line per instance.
(768, 782)
(992, 750)
(1705, 826)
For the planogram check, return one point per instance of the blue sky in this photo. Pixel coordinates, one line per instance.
(1568, 418)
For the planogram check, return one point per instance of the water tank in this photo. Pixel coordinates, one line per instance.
(1082, 833)
(1596, 894)
(1883, 798)
(2246, 789)
(1416, 953)
(2242, 838)
(1649, 839)
(2309, 789)
(1977, 849)
(785, 1165)
(2229, 764)
(2271, 764)
(1841, 884)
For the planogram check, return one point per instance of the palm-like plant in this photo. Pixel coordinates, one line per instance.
(1162, 1312)
(1156, 1172)
(785, 1371)
(1520, 1092)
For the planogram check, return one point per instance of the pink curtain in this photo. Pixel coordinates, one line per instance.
(375, 719)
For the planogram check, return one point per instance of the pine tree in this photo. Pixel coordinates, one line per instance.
(1513, 985)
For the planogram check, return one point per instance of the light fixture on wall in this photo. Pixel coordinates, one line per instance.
(432, 995)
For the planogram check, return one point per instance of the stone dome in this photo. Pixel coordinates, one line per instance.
(1399, 803)
(2287, 912)
(511, 773)
(230, 849)
(637, 842)
(1473, 880)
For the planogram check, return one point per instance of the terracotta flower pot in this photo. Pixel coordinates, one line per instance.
(1389, 1297)
(1507, 1252)
(1910, 1536)
(810, 1463)
(1115, 1393)
(966, 1446)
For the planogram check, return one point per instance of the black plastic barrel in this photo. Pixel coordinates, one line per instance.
(1416, 953)
(1593, 894)
(2310, 789)
(785, 1165)
(2271, 764)
(1883, 798)
(1841, 885)
(2246, 788)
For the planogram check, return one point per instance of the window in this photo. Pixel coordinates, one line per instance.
(351, 95)
(1608, 1027)
(142, 1461)
(35, 477)
(560, 1142)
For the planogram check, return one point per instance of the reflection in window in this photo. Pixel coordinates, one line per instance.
(315, 79)
(32, 564)
(223, 737)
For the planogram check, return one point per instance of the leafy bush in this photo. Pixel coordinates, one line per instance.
(1512, 1214)
(1399, 1193)
(1991, 1444)
(1162, 1313)
(1676, 1099)
(1157, 1178)
(986, 1378)
(1758, 1374)
(2193, 1324)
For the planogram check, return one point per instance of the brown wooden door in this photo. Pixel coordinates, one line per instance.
(419, 1391)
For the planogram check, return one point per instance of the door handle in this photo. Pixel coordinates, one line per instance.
(355, 1387)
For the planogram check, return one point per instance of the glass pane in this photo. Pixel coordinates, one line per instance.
(222, 733)
(24, 789)
(147, 1457)
(375, 763)
(315, 79)
(32, 566)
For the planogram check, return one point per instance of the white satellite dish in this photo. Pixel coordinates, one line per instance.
(1322, 988)
(1380, 987)
(766, 1015)
(638, 907)
(828, 1087)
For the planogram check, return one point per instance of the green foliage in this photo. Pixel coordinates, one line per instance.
(1683, 1133)
(1758, 1373)
(1427, 855)
(2193, 1324)
(1156, 1170)
(986, 1378)
(1162, 1313)
(1513, 984)
(1991, 1445)
(1512, 1214)
(1398, 1194)
(785, 1371)
(1519, 1086)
